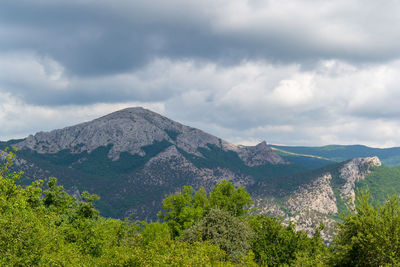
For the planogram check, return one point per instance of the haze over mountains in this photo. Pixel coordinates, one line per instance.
(133, 157)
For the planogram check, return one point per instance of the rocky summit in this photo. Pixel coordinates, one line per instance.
(132, 158)
(131, 129)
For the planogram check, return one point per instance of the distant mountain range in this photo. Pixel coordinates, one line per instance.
(338, 153)
(132, 158)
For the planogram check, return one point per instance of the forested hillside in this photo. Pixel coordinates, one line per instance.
(383, 182)
(42, 225)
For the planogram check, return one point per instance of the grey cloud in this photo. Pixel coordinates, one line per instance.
(101, 37)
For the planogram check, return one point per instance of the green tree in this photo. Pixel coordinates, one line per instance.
(221, 228)
(370, 235)
(275, 244)
(234, 200)
(181, 211)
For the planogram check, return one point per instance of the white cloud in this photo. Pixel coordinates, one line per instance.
(334, 103)
(295, 91)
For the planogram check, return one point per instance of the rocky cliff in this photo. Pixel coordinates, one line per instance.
(319, 200)
(354, 171)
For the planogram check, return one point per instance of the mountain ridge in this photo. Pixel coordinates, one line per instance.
(130, 129)
(133, 157)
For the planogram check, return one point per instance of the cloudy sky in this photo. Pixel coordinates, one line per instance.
(302, 72)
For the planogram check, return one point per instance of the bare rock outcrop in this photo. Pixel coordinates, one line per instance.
(202, 177)
(316, 202)
(309, 220)
(354, 171)
(131, 129)
(317, 196)
(259, 155)
(126, 130)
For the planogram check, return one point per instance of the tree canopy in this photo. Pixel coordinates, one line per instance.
(370, 236)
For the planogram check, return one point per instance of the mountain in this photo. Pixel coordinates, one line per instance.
(133, 157)
(339, 153)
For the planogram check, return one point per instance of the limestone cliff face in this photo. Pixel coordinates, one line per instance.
(316, 202)
(317, 196)
(353, 171)
(313, 204)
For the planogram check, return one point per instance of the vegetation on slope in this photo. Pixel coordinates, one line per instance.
(338, 153)
(370, 236)
(383, 182)
(214, 156)
(48, 227)
(96, 173)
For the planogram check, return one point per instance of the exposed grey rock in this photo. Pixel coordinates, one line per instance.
(127, 130)
(74, 192)
(354, 171)
(268, 205)
(131, 129)
(259, 155)
(309, 220)
(315, 202)
(202, 177)
(317, 196)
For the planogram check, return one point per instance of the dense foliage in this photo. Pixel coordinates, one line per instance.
(370, 236)
(42, 225)
(275, 244)
(48, 227)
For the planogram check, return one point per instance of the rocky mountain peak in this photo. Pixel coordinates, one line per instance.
(127, 130)
(259, 155)
(131, 129)
(262, 145)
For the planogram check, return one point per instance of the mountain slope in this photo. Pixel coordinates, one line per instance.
(317, 196)
(133, 157)
(383, 182)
